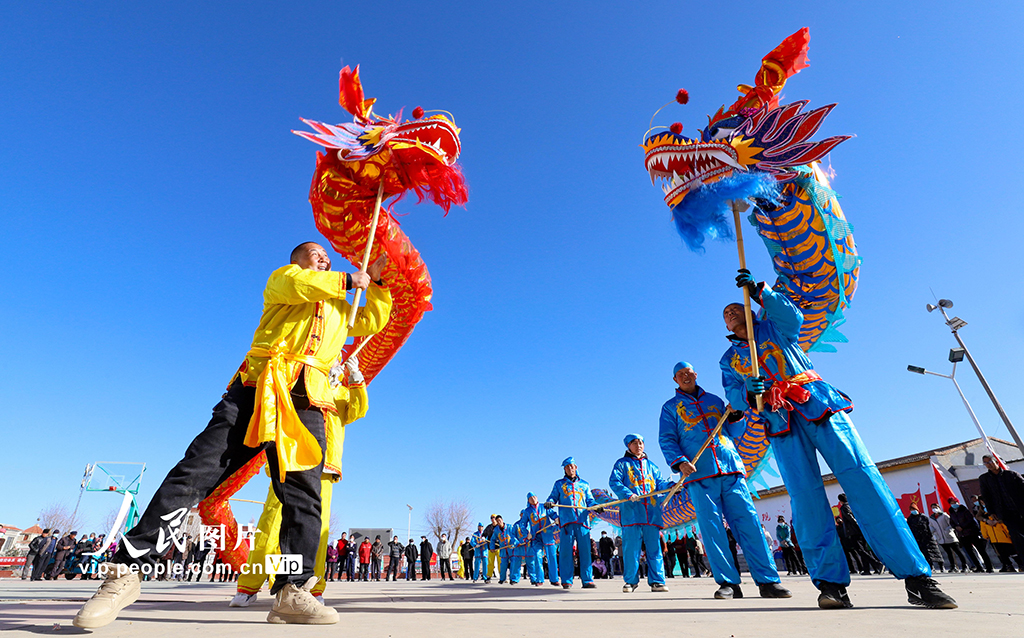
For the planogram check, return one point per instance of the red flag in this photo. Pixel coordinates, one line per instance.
(942, 487)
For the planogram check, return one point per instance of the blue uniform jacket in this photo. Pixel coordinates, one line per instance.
(781, 359)
(538, 519)
(630, 476)
(575, 494)
(686, 423)
(550, 526)
(480, 542)
(521, 536)
(501, 539)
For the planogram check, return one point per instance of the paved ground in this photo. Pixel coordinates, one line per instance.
(991, 605)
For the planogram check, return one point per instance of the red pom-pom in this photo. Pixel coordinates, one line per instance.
(682, 96)
(417, 112)
(676, 128)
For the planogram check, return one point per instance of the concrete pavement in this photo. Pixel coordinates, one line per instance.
(992, 604)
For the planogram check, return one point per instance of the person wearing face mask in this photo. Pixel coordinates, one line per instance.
(274, 404)
(807, 416)
(968, 532)
(947, 538)
(921, 527)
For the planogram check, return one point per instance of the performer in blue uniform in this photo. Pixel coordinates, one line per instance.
(547, 538)
(537, 516)
(573, 494)
(521, 537)
(633, 476)
(502, 542)
(716, 484)
(480, 544)
(806, 414)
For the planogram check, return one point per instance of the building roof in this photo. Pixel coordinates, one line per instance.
(35, 529)
(905, 461)
(10, 528)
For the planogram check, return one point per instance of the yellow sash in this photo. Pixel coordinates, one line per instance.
(274, 417)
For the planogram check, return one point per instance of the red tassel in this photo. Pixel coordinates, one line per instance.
(676, 128)
(417, 112)
(682, 96)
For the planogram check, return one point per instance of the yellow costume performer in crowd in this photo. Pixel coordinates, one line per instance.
(351, 403)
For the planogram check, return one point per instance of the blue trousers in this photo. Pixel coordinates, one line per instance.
(729, 496)
(574, 533)
(552, 553)
(515, 569)
(651, 536)
(871, 499)
(534, 563)
(479, 565)
(504, 561)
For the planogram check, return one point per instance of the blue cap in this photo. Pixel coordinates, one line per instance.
(530, 495)
(479, 524)
(569, 461)
(679, 366)
(631, 437)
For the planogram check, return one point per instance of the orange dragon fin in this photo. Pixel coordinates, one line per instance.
(350, 94)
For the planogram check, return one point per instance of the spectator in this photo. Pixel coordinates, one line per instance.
(670, 560)
(492, 554)
(921, 527)
(782, 532)
(678, 546)
(799, 553)
(858, 544)
(947, 538)
(606, 549)
(344, 548)
(1003, 493)
(732, 547)
(35, 548)
(617, 559)
(466, 554)
(365, 550)
(332, 562)
(426, 553)
(444, 557)
(410, 560)
(376, 554)
(44, 556)
(969, 534)
(996, 533)
(395, 551)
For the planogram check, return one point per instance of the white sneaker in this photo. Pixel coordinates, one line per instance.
(242, 599)
(297, 605)
(120, 589)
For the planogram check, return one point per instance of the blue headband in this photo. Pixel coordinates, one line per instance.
(679, 366)
(632, 437)
(569, 461)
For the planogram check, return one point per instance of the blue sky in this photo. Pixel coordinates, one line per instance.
(150, 184)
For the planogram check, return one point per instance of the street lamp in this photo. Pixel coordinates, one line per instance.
(956, 355)
(410, 520)
(954, 325)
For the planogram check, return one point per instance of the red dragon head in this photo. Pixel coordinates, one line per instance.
(418, 154)
(754, 134)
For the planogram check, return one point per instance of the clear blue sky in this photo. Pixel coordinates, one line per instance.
(149, 184)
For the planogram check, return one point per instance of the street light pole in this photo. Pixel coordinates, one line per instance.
(954, 325)
(410, 521)
(967, 404)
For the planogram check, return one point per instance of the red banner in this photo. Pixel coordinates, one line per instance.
(6, 561)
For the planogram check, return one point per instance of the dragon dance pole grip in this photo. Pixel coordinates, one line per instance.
(703, 448)
(751, 341)
(366, 255)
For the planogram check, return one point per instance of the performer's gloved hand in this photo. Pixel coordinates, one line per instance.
(598, 510)
(634, 497)
(746, 280)
(355, 377)
(734, 416)
(755, 385)
(549, 504)
(334, 375)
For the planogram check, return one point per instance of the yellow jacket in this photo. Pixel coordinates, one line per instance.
(303, 327)
(995, 533)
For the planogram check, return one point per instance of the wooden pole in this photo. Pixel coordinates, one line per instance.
(359, 348)
(703, 448)
(739, 206)
(366, 254)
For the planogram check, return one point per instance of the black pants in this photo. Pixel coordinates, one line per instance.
(425, 567)
(392, 568)
(951, 549)
(216, 454)
(410, 569)
(446, 565)
(971, 543)
(374, 567)
(1016, 528)
(40, 564)
(684, 566)
(364, 572)
(670, 565)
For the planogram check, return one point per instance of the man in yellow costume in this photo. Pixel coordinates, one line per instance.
(276, 403)
(351, 401)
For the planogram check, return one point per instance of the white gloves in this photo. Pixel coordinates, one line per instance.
(352, 370)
